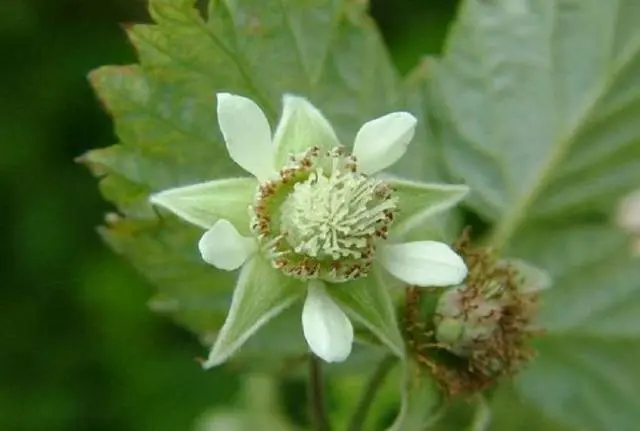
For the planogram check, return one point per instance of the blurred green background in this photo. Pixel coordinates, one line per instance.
(79, 348)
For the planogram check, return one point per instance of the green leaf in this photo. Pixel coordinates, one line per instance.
(537, 105)
(586, 373)
(165, 118)
(368, 301)
(166, 252)
(204, 203)
(510, 413)
(261, 294)
(420, 201)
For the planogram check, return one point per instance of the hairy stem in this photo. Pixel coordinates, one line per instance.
(482, 417)
(369, 393)
(316, 396)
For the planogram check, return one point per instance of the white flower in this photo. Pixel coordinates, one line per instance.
(321, 218)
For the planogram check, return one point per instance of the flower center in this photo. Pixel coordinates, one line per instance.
(322, 218)
(333, 217)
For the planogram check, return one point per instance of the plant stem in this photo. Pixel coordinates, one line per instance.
(482, 416)
(370, 391)
(316, 396)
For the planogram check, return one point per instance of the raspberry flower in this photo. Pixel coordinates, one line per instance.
(315, 221)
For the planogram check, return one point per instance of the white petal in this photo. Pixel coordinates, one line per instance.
(327, 329)
(301, 127)
(381, 142)
(247, 134)
(223, 247)
(423, 263)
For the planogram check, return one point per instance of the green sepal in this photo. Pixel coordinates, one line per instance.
(260, 294)
(420, 201)
(205, 203)
(368, 301)
(531, 278)
(301, 127)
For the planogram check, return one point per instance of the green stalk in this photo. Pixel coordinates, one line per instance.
(369, 393)
(316, 396)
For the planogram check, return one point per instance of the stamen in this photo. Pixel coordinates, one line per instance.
(323, 217)
(333, 217)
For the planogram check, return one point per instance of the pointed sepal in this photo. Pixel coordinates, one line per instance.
(367, 301)
(421, 201)
(260, 294)
(205, 203)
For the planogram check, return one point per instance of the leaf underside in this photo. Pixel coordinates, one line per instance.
(586, 373)
(538, 103)
(535, 105)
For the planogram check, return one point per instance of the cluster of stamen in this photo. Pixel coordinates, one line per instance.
(321, 218)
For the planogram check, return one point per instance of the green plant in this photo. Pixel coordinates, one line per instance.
(533, 105)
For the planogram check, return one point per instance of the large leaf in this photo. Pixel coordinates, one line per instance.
(510, 413)
(537, 105)
(164, 251)
(164, 114)
(586, 375)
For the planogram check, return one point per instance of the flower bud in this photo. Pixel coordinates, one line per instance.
(463, 321)
(478, 332)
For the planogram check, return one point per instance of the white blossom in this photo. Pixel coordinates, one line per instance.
(316, 213)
